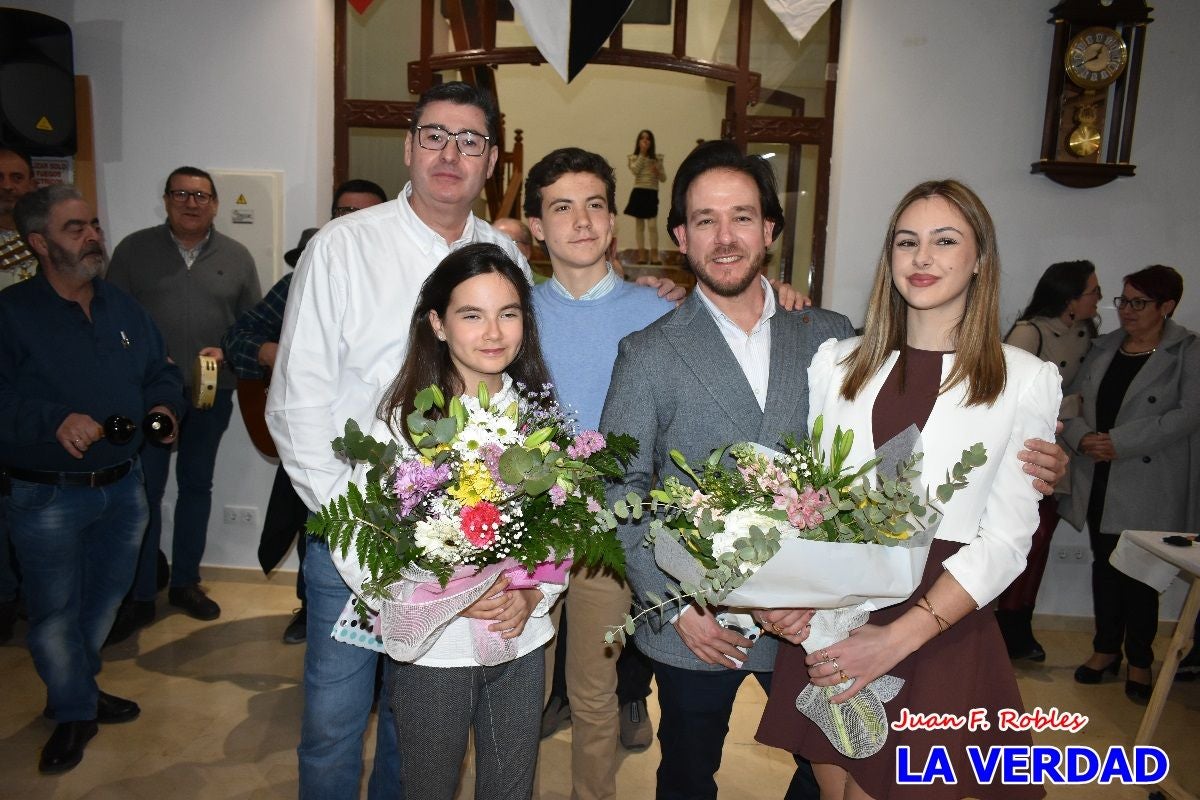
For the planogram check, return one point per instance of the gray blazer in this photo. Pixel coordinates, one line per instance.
(676, 385)
(1153, 482)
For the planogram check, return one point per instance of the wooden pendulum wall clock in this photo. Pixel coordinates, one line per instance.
(1095, 66)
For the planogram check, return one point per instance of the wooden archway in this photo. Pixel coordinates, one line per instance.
(475, 57)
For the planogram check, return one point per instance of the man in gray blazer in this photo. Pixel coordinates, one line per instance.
(726, 366)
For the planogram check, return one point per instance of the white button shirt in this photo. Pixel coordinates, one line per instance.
(751, 350)
(345, 330)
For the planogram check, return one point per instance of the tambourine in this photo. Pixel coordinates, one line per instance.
(204, 382)
(14, 255)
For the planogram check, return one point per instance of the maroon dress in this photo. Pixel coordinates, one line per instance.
(964, 668)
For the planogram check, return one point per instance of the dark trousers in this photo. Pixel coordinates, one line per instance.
(1021, 595)
(199, 437)
(1126, 609)
(696, 707)
(435, 708)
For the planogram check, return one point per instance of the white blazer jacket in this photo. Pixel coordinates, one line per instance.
(996, 514)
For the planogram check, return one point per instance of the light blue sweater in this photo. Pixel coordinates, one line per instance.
(580, 337)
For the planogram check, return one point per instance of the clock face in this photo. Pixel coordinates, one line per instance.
(1096, 57)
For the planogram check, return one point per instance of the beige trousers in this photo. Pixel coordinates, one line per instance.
(593, 602)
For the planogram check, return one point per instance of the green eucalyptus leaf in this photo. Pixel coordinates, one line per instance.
(515, 463)
(445, 429)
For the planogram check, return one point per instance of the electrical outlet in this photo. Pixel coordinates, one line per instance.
(1075, 554)
(242, 516)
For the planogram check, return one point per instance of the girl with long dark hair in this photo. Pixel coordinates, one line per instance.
(472, 325)
(647, 168)
(1057, 326)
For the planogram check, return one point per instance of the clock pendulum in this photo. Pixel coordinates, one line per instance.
(1084, 140)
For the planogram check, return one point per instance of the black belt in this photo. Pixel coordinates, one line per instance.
(101, 477)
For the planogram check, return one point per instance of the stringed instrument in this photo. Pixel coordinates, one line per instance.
(252, 400)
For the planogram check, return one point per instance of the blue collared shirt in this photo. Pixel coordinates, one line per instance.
(602, 287)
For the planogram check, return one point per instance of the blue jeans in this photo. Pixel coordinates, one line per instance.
(199, 437)
(339, 688)
(696, 707)
(77, 547)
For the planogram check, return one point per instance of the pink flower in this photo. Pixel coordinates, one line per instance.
(479, 523)
(592, 506)
(586, 444)
(805, 512)
(785, 497)
(803, 509)
(413, 481)
(558, 495)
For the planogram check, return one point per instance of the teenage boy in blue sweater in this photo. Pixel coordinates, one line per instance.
(582, 312)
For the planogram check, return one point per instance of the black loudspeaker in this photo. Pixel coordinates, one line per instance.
(37, 83)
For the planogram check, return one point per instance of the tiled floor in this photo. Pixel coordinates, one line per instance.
(221, 709)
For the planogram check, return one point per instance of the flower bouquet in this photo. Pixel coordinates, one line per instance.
(489, 488)
(773, 532)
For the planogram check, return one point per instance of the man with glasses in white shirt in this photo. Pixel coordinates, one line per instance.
(195, 282)
(343, 342)
(344, 335)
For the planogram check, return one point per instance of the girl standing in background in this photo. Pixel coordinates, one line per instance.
(648, 173)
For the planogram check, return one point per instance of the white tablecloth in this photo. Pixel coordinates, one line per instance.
(1144, 556)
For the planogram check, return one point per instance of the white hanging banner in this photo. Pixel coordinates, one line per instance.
(798, 16)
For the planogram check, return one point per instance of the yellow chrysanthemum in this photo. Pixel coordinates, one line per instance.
(474, 484)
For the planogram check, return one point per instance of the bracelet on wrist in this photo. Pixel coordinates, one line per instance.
(942, 624)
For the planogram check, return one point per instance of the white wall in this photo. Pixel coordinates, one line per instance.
(941, 88)
(216, 84)
(925, 89)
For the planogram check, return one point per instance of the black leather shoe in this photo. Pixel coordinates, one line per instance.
(1030, 652)
(64, 749)
(1085, 674)
(194, 602)
(130, 617)
(111, 709)
(1138, 692)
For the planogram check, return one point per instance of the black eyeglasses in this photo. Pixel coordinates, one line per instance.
(341, 211)
(1094, 292)
(1136, 303)
(180, 197)
(435, 137)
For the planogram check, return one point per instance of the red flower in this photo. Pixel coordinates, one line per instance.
(480, 523)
